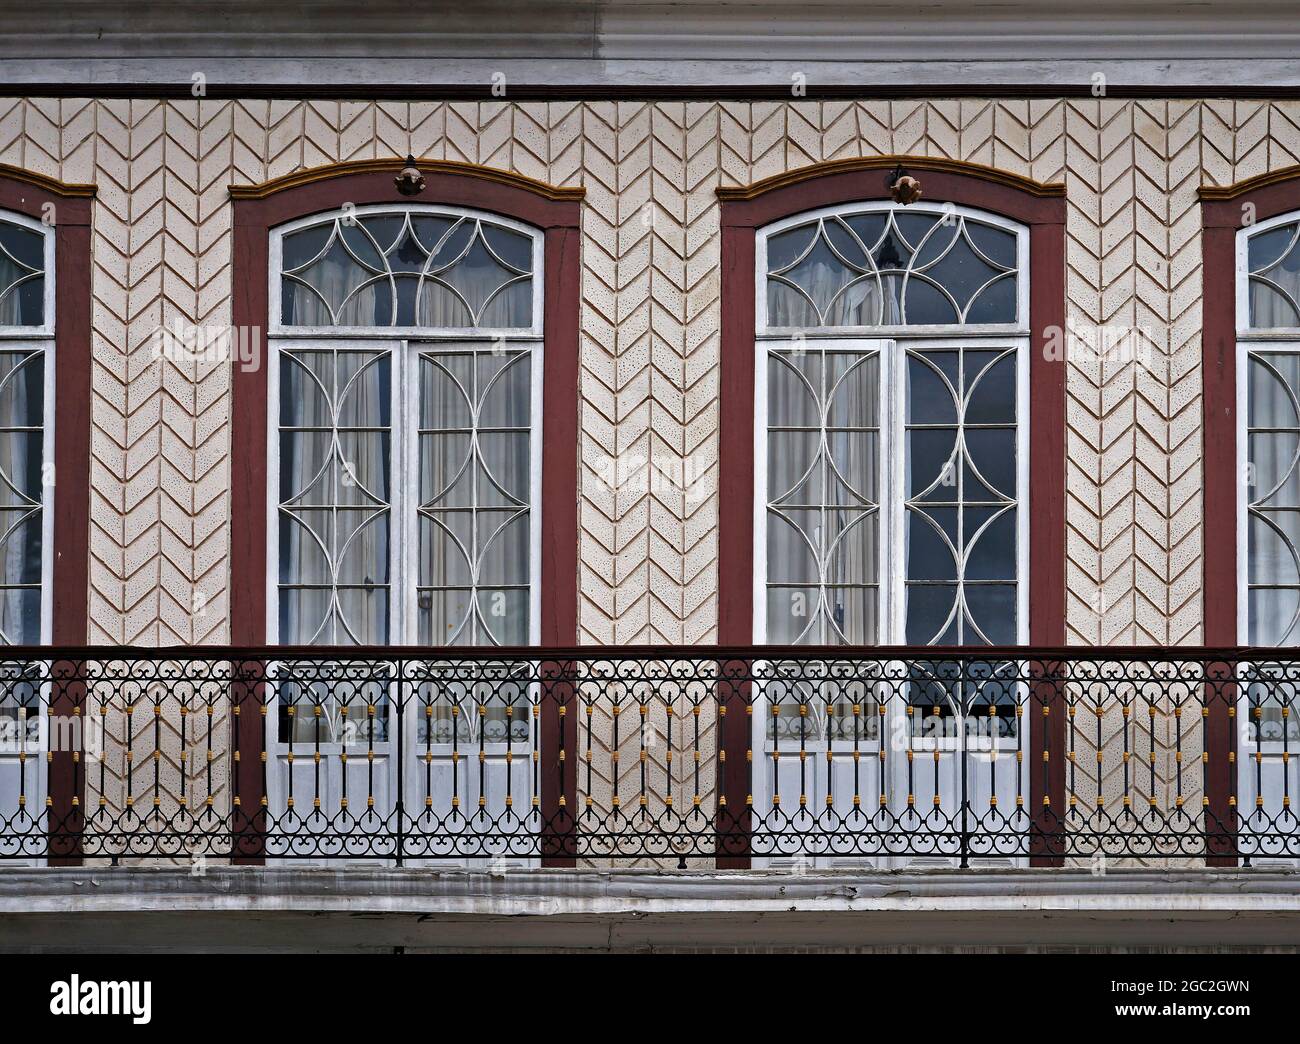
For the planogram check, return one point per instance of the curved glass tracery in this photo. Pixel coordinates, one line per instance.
(960, 496)
(474, 497)
(892, 268)
(1273, 500)
(1272, 378)
(23, 249)
(407, 268)
(335, 496)
(923, 546)
(823, 439)
(406, 465)
(1273, 275)
(22, 275)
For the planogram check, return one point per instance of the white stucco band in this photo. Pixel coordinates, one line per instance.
(233, 76)
(632, 44)
(364, 908)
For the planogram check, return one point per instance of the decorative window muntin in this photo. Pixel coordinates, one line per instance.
(961, 492)
(420, 268)
(1272, 274)
(415, 516)
(823, 461)
(335, 494)
(1272, 493)
(1268, 443)
(475, 495)
(883, 267)
(965, 384)
(26, 440)
(1268, 505)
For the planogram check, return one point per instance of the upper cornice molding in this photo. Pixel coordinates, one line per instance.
(648, 48)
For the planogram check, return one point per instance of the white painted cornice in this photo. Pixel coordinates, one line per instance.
(644, 45)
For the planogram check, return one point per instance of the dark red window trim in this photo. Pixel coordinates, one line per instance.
(1039, 207)
(1224, 212)
(68, 208)
(556, 211)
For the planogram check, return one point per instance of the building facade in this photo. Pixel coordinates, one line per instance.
(630, 347)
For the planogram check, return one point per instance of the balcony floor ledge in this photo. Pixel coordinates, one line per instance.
(366, 908)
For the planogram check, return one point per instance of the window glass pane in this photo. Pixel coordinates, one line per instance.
(22, 491)
(823, 473)
(851, 612)
(407, 269)
(22, 278)
(1273, 615)
(1272, 382)
(930, 610)
(336, 466)
(1272, 494)
(1273, 260)
(475, 496)
(962, 496)
(793, 615)
(991, 555)
(1273, 477)
(445, 616)
(890, 266)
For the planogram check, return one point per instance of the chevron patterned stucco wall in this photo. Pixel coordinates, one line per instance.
(650, 313)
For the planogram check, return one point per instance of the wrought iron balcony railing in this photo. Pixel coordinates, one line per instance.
(742, 757)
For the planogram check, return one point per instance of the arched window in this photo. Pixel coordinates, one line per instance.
(1268, 310)
(891, 379)
(1251, 344)
(26, 441)
(883, 479)
(396, 481)
(406, 389)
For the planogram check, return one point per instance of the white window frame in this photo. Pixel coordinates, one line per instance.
(276, 328)
(1247, 346)
(38, 338)
(405, 345)
(894, 341)
(1276, 754)
(1263, 341)
(41, 338)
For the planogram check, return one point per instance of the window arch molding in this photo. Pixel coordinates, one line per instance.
(746, 210)
(260, 209)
